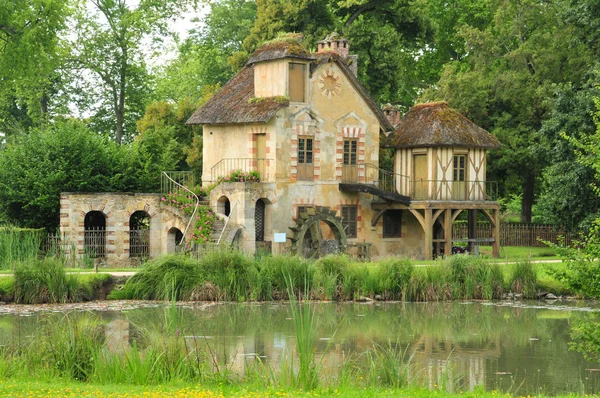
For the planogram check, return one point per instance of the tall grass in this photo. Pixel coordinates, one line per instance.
(523, 279)
(44, 281)
(19, 245)
(232, 276)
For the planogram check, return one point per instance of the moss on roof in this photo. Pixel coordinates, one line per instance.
(285, 47)
(435, 124)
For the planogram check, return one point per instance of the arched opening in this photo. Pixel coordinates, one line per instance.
(174, 238)
(94, 234)
(139, 234)
(263, 226)
(224, 206)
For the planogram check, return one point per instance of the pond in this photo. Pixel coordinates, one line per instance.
(516, 347)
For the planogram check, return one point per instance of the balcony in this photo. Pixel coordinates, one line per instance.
(444, 190)
(224, 167)
(371, 179)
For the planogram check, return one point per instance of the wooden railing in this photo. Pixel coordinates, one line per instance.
(518, 234)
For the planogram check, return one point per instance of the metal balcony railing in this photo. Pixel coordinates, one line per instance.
(224, 167)
(171, 181)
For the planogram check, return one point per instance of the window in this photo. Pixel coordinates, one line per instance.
(350, 151)
(305, 158)
(349, 220)
(459, 167)
(297, 82)
(392, 224)
(304, 209)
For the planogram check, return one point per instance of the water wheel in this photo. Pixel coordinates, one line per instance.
(307, 236)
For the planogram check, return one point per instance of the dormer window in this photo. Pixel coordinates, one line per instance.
(297, 82)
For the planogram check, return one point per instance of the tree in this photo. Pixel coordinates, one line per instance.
(65, 156)
(29, 60)
(202, 59)
(512, 68)
(108, 46)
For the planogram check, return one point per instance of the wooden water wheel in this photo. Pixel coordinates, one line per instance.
(307, 237)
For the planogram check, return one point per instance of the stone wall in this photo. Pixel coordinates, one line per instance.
(117, 209)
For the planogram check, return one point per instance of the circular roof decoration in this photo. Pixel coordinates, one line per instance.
(329, 83)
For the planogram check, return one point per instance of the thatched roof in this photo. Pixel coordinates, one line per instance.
(233, 104)
(290, 48)
(435, 124)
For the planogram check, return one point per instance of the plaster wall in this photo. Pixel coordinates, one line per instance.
(271, 78)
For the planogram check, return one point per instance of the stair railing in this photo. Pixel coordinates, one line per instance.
(195, 207)
(226, 223)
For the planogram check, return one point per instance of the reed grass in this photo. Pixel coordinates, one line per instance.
(19, 245)
(232, 276)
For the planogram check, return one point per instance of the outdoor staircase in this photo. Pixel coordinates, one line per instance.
(368, 178)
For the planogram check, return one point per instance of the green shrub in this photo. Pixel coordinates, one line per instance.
(232, 272)
(44, 281)
(474, 278)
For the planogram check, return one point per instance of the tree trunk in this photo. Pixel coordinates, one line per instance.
(527, 201)
(120, 111)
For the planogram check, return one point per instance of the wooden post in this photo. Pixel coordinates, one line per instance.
(472, 232)
(448, 232)
(496, 234)
(428, 234)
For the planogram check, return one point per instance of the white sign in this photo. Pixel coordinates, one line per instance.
(279, 237)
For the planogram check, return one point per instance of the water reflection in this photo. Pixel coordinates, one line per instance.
(518, 348)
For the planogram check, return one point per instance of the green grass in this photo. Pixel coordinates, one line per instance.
(63, 389)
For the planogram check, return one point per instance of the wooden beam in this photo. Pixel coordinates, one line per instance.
(376, 217)
(428, 234)
(448, 232)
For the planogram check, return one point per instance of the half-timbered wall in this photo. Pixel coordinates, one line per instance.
(438, 179)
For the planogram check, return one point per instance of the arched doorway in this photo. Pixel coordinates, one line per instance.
(174, 238)
(139, 234)
(224, 206)
(94, 234)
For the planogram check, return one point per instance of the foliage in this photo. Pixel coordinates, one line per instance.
(513, 66)
(19, 245)
(63, 157)
(204, 218)
(107, 42)
(523, 279)
(582, 265)
(44, 281)
(241, 176)
(201, 65)
(30, 61)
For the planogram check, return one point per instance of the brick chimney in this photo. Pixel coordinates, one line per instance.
(392, 113)
(337, 44)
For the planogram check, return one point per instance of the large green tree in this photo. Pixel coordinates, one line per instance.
(503, 84)
(108, 50)
(29, 60)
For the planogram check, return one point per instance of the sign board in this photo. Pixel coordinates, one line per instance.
(279, 237)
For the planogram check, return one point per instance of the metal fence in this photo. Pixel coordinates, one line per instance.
(170, 179)
(228, 165)
(94, 242)
(139, 242)
(519, 234)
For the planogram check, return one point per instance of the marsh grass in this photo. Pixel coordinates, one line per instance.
(44, 281)
(232, 276)
(19, 245)
(523, 279)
